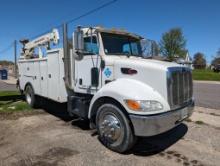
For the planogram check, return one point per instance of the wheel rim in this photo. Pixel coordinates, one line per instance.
(110, 127)
(28, 96)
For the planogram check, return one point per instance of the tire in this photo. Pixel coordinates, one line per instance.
(30, 97)
(114, 129)
(19, 88)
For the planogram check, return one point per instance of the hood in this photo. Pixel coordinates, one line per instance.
(141, 62)
(149, 71)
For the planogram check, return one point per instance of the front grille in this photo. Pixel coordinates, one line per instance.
(180, 87)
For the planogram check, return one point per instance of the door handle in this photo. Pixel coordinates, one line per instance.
(49, 75)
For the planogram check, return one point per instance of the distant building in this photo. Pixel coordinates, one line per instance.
(187, 61)
(9, 68)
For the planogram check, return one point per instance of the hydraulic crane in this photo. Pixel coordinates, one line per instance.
(42, 41)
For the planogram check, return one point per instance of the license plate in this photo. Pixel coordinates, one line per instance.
(184, 113)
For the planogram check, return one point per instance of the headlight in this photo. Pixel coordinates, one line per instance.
(144, 105)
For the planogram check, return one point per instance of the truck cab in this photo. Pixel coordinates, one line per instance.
(124, 95)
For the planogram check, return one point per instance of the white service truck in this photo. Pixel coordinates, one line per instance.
(103, 77)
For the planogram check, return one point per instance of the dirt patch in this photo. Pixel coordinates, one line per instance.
(214, 114)
(58, 153)
(17, 115)
(199, 122)
(3, 144)
(180, 158)
(52, 157)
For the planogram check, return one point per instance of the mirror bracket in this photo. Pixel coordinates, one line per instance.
(79, 42)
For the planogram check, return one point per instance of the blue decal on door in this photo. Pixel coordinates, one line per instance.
(107, 72)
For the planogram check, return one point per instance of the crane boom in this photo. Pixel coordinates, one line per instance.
(42, 41)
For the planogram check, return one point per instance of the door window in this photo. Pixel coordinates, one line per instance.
(91, 46)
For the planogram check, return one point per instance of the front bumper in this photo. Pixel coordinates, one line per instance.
(157, 124)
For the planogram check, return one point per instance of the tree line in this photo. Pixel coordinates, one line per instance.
(173, 46)
(199, 60)
(6, 63)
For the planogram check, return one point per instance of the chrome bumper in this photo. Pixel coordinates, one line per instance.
(157, 124)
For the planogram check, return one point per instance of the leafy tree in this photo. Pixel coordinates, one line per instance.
(6, 63)
(218, 53)
(216, 59)
(155, 50)
(150, 48)
(173, 44)
(199, 61)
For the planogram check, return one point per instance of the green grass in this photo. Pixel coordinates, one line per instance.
(11, 101)
(8, 93)
(205, 75)
(199, 122)
(188, 120)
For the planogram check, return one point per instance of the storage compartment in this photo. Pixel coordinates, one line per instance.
(78, 106)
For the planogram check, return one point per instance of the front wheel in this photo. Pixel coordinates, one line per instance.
(114, 129)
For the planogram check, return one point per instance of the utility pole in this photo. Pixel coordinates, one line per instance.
(67, 67)
(15, 56)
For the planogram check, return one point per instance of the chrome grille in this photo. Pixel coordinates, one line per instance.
(180, 87)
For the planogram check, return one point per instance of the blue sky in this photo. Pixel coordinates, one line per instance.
(199, 19)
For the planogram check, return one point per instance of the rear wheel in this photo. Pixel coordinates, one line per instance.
(30, 96)
(114, 129)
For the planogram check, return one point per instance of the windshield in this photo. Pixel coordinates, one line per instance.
(115, 44)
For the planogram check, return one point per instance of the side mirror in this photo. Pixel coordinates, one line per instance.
(79, 43)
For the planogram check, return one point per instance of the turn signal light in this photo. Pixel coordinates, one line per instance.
(133, 105)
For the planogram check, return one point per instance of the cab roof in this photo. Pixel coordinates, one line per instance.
(113, 31)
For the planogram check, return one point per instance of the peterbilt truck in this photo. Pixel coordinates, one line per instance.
(103, 77)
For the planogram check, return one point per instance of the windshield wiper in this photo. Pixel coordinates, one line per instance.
(124, 54)
(156, 58)
(119, 53)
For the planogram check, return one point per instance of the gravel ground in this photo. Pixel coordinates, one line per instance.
(52, 138)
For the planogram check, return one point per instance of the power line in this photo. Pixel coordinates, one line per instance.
(6, 49)
(81, 16)
(40, 34)
(92, 11)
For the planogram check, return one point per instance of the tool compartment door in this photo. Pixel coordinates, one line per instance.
(53, 75)
(44, 78)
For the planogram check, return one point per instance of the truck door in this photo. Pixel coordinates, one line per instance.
(88, 69)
